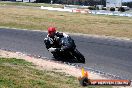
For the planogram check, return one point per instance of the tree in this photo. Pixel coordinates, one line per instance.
(43, 1)
(75, 2)
(129, 4)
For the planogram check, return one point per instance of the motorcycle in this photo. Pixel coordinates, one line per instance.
(69, 50)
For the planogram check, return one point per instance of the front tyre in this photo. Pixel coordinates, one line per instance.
(78, 56)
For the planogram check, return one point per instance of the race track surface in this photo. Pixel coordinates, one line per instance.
(104, 54)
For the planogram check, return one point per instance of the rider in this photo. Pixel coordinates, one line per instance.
(52, 41)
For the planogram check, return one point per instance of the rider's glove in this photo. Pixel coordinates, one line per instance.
(61, 50)
(52, 49)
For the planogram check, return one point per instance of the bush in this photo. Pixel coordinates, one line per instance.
(121, 9)
(92, 8)
(112, 9)
(103, 8)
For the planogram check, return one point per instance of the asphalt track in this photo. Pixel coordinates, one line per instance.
(104, 54)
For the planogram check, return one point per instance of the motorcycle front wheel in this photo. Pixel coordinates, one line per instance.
(78, 56)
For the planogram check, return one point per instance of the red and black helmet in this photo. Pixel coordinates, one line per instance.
(51, 30)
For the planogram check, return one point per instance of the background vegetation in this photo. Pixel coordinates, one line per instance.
(35, 18)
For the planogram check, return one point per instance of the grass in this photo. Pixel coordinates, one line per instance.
(3, 3)
(17, 73)
(31, 18)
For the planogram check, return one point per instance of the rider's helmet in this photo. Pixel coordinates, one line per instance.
(51, 31)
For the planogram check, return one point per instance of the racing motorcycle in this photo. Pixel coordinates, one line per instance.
(69, 50)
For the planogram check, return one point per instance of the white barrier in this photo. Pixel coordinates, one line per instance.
(74, 10)
(56, 9)
(65, 10)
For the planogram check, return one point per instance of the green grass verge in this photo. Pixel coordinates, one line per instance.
(17, 73)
